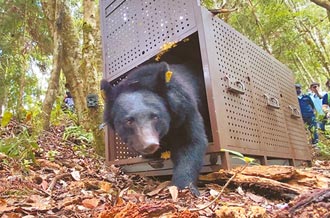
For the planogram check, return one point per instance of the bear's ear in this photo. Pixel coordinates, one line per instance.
(105, 88)
(152, 77)
(107, 93)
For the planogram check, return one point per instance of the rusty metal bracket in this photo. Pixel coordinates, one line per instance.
(235, 86)
(295, 113)
(272, 102)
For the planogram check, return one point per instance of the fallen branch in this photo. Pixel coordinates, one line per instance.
(280, 182)
(56, 178)
(314, 197)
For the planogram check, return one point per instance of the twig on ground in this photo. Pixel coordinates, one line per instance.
(222, 190)
(56, 178)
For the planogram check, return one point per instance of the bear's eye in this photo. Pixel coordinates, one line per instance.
(154, 116)
(129, 121)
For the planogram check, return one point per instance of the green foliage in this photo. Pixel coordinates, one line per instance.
(240, 156)
(21, 147)
(324, 143)
(51, 155)
(6, 118)
(25, 44)
(324, 150)
(81, 150)
(77, 134)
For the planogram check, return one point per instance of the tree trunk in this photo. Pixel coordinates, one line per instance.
(20, 107)
(71, 63)
(90, 67)
(323, 3)
(53, 84)
(3, 88)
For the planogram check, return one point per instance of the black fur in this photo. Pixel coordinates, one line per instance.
(169, 110)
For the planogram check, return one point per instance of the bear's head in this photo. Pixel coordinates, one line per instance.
(136, 107)
(141, 119)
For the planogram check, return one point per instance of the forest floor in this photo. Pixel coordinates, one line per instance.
(67, 179)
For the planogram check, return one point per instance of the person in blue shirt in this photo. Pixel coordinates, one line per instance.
(316, 96)
(326, 101)
(307, 109)
(68, 101)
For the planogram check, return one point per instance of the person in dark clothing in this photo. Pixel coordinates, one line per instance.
(307, 109)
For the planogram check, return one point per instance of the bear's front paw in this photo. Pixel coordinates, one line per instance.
(194, 190)
(191, 186)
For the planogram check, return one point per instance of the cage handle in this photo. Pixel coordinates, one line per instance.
(295, 112)
(235, 86)
(272, 102)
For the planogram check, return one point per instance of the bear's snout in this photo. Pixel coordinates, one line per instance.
(146, 139)
(150, 149)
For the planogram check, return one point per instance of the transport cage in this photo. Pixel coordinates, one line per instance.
(251, 99)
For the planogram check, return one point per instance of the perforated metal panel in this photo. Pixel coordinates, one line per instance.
(135, 30)
(238, 122)
(295, 127)
(274, 134)
(121, 150)
(252, 112)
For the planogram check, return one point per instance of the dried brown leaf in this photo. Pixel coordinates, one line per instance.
(4, 206)
(159, 188)
(105, 186)
(39, 203)
(44, 185)
(257, 212)
(255, 198)
(48, 164)
(90, 203)
(11, 215)
(231, 212)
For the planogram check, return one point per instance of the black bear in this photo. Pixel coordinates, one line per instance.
(155, 108)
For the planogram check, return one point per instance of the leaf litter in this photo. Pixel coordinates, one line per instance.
(72, 184)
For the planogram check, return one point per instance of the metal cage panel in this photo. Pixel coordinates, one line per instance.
(272, 123)
(135, 30)
(295, 126)
(238, 123)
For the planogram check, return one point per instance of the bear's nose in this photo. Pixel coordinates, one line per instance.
(152, 148)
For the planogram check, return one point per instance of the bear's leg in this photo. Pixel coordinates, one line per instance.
(188, 156)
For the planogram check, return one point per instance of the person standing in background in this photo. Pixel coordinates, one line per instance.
(316, 96)
(307, 109)
(68, 101)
